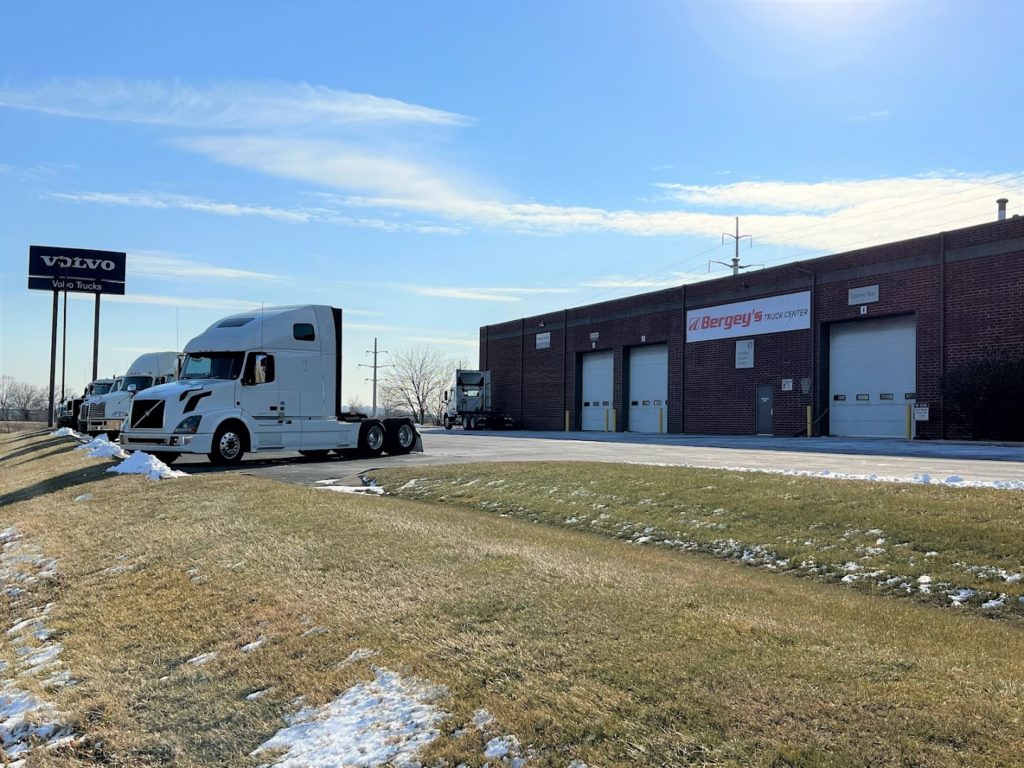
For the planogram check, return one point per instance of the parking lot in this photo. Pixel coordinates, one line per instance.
(899, 458)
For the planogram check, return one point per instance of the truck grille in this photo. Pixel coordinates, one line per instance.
(97, 410)
(140, 419)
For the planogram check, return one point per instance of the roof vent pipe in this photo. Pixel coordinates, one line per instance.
(1001, 202)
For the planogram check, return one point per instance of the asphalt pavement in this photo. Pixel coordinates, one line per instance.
(899, 458)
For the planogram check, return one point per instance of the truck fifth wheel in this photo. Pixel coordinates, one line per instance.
(266, 380)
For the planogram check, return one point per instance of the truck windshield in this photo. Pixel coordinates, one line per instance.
(101, 389)
(140, 382)
(117, 386)
(212, 365)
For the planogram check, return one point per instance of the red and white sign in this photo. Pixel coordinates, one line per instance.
(772, 314)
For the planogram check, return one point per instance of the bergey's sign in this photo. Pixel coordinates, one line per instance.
(771, 314)
(75, 269)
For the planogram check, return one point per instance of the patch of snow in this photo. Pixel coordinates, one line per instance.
(257, 643)
(142, 463)
(960, 596)
(101, 448)
(482, 719)
(203, 658)
(387, 720)
(83, 497)
(362, 490)
(256, 695)
(931, 553)
(358, 655)
(313, 631)
(411, 484)
(505, 748)
(65, 432)
(996, 602)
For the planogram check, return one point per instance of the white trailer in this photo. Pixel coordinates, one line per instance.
(105, 413)
(266, 380)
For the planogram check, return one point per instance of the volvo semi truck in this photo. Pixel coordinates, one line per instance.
(104, 413)
(468, 403)
(266, 380)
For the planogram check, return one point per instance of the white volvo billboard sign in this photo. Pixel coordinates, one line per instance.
(772, 314)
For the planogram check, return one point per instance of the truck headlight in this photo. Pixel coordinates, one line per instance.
(188, 426)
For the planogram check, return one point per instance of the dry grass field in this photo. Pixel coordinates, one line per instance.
(582, 645)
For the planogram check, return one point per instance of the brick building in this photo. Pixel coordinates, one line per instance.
(857, 336)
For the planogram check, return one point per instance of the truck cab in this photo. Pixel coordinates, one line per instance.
(107, 411)
(265, 380)
(468, 403)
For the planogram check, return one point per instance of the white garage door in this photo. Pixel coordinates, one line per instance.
(872, 369)
(597, 391)
(648, 388)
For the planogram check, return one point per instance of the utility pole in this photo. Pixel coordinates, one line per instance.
(375, 352)
(735, 264)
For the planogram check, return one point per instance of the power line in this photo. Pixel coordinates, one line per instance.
(375, 352)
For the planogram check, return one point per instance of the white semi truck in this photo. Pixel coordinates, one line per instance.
(104, 413)
(266, 380)
(468, 403)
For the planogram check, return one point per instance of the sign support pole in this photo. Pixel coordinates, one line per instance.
(96, 338)
(64, 349)
(53, 361)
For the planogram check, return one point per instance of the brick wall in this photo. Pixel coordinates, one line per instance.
(976, 273)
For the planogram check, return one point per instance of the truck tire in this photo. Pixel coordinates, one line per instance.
(230, 442)
(465, 422)
(447, 423)
(371, 438)
(400, 436)
(473, 423)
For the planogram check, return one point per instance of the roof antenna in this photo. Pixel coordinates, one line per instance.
(736, 266)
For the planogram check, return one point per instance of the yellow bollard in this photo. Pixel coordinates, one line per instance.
(809, 423)
(567, 421)
(910, 421)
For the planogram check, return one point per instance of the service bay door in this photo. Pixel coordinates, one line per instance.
(872, 376)
(597, 391)
(648, 388)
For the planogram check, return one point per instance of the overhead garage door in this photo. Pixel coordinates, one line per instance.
(597, 391)
(872, 376)
(648, 388)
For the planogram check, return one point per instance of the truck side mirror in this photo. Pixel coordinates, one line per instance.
(131, 387)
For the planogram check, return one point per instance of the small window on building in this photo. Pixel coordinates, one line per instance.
(634, 402)
(910, 396)
(838, 397)
(863, 397)
(605, 402)
(647, 402)
(885, 396)
(657, 402)
(303, 332)
(586, 405)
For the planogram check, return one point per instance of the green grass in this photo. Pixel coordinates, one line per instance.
(880, 537)
(583, 646)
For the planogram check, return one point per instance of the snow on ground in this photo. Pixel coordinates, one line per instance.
(362, 490)
(101, 448)
(67, 432)
(953, 481)
(141, 463)
(27, 721)
(358, 655)
(386, 720)
(203, 658)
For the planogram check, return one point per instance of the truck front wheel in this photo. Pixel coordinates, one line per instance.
(229, 444)
(447, 423)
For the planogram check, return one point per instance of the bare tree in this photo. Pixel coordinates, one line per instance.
(6, 394)
(27, 398)
(414, 381)
(355, 405)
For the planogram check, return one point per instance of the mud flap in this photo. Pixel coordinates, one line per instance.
(418, 448)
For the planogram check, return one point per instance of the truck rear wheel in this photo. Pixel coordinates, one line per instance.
(400, 436)
(229, 444)
(371, 439)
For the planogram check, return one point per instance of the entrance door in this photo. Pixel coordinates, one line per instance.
(764, 409)
(597, 391)
(648, 388)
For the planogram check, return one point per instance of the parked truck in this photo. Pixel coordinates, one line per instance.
(105, 412)
(468, 403)
(266, 380)
(92, 391)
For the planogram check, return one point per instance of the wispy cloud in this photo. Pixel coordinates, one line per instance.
(220, 105)
(650, 282)
(877, 115)
(506, 295)
(174, 301)
(182, 202)
(165, 265)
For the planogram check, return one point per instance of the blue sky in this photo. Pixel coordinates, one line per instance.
(434, 167)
